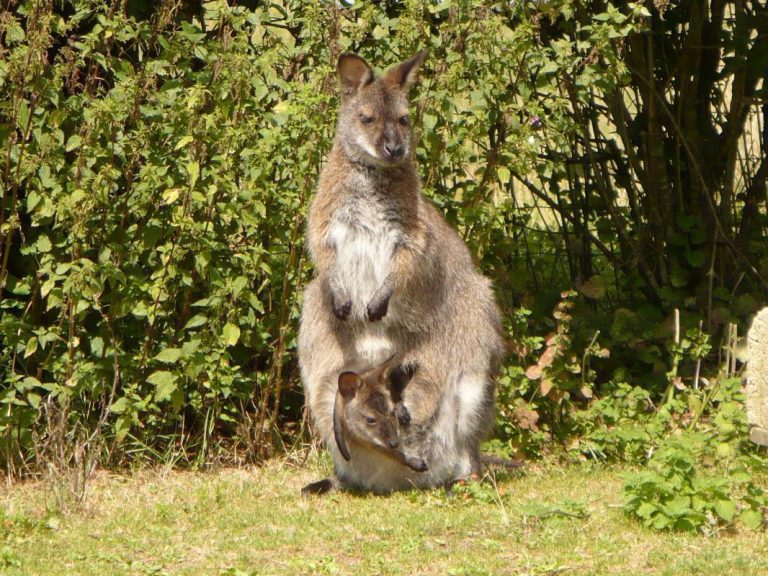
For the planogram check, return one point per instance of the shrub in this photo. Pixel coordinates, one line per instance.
(159, 159)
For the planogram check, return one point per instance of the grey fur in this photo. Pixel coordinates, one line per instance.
(411, 288)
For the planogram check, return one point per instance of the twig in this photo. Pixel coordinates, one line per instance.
(698, 362)
(670, 392)
(728, 349)
(586, 357)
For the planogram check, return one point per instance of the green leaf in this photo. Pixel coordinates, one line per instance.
(724, 450)
(696, 258)
(752, 519)
(183, 142)
(230, 334)
(73, 143)
(34, 400)
(686, 524)
(726, 509)
(193, 169)
(660, 522)
(165, 384)
(171, 195)
(31, 347)
(119, 405)
(28, 383)
(679, 506)
(645, 510)
(380, 32)
(196, 321)
(122, 426)
(238, 285)
(14, 32)
(594, 287)
(169, 355)
(97, 346)
(43, 244)
(33, 199)
(22, 115)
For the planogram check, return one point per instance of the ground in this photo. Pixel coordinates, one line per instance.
(544, 520)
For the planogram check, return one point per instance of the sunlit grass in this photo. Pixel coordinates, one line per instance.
(546, 520)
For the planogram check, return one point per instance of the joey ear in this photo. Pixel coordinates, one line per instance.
(406, 73)
(349, 384)
(354, 73)
(338, 430)
(399, 377)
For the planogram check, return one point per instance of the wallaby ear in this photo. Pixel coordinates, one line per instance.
(406, 74)
(399, 377)
(338, 430)
(349, 384)
(354, 73)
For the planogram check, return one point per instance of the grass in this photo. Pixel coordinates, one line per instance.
(546, 520)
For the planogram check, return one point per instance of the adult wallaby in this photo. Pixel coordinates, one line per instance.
(392, 277)
(369, 417)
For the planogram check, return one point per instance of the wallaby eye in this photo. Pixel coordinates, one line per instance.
(365, 119)
(370, 421)
(403, 120)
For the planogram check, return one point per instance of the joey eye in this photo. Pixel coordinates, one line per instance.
(403, 120)
(365, 119)
(370, 421)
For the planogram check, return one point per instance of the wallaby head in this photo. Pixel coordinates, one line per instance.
(374, 126)
(369, 407)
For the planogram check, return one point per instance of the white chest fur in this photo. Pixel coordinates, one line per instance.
(364, 233)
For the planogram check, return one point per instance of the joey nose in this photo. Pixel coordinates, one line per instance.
(393, 152)
(393, 442)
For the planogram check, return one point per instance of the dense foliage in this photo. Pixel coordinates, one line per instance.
(604, 161)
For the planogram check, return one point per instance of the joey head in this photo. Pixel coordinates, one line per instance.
(369, 412)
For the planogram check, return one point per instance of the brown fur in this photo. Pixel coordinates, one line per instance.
(394, 278)
(368, 411)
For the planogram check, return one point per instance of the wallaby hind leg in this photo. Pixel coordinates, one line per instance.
(320, 487)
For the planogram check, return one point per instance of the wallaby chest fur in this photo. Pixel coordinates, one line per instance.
(392, 277)
(365, 226)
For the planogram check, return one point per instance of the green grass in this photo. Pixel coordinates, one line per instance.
(547, 520)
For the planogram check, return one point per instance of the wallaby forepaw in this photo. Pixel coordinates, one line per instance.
(341, 308)
(403, 416)
(377, 309)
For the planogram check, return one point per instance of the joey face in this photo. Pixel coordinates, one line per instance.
(374, 126)
(368, 411)
(369, 407)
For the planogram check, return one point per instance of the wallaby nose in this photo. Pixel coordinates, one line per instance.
(393, 152)
(393, 442)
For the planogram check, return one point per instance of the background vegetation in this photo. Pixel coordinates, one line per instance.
(606, 162)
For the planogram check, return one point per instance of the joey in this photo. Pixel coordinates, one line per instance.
(369, 414)
(369, 411)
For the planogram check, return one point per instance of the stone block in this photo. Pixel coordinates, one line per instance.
(757, 378)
